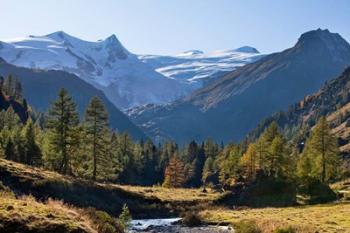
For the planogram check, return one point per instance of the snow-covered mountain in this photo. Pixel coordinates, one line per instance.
(195, 67)
(106, 64)
(128, 80)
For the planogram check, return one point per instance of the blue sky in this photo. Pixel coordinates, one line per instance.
(173, 26)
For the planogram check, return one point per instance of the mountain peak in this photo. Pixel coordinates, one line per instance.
(112, 40)
(323, 34)
(112, 37)
(58, 34)
(191, 52)
(333, 42)
(246, 49)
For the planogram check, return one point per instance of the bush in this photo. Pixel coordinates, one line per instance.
(104, 222)
(285, 230)
(269, 191)
(246, 226)
(125, 217)
(317, 191)
(191, 219)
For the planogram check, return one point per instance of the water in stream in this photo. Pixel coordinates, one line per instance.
(172, 225)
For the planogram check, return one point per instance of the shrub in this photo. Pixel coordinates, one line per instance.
(246, 226)
(104, 222)
(125, 217)
(285, 230)
(317, 191)
(269, 191)
(191, 219)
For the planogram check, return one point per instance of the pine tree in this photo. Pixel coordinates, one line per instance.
(117, 165)
(125, 154)
(271, 151)
(62, 119)
(10, 153)
(320, 157)
(32, 150)
(250, 161)
(11, 119)
(17, 93)
(277, 156)
(208, 170)
(9, 85)
(19, 142)
(96, 123)
(174, 176)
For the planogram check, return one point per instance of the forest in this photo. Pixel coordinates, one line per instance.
(86, 147)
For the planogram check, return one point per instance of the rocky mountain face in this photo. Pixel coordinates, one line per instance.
(233, 105)
(197, 68)
(332, 101)
(41, 88)
(106, 64)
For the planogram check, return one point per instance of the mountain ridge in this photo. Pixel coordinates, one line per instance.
(234, 104)
(105, 64)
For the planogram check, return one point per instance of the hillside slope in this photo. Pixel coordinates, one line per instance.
(233, 105)
(332, 101)
(43, 184)
(26, 215)
(41, 88)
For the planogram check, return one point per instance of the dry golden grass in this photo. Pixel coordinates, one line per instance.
(31, 173)
(173, 194)
(306, 219)
(42, 216)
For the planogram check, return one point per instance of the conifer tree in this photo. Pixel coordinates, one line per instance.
(277, 156)
(96, 123)
(250, 161)
(125, 154)
(9, 85)
(32, 150)
(208, 170)
(10, 150)
(18, 91)
(229, 166)
(62, 119)
(271, 151)
(174, 176)
(320, 157)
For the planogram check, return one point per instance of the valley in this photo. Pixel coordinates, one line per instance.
(174, 116)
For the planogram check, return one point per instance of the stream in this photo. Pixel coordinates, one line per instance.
(172, 225)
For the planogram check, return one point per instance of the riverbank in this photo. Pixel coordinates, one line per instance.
(330, 218)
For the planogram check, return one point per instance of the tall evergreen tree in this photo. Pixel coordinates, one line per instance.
(174, 174)
(320, 157)
(96, 123)
(10, 150)
(32, 150)
(62, 119)
(249, 162)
